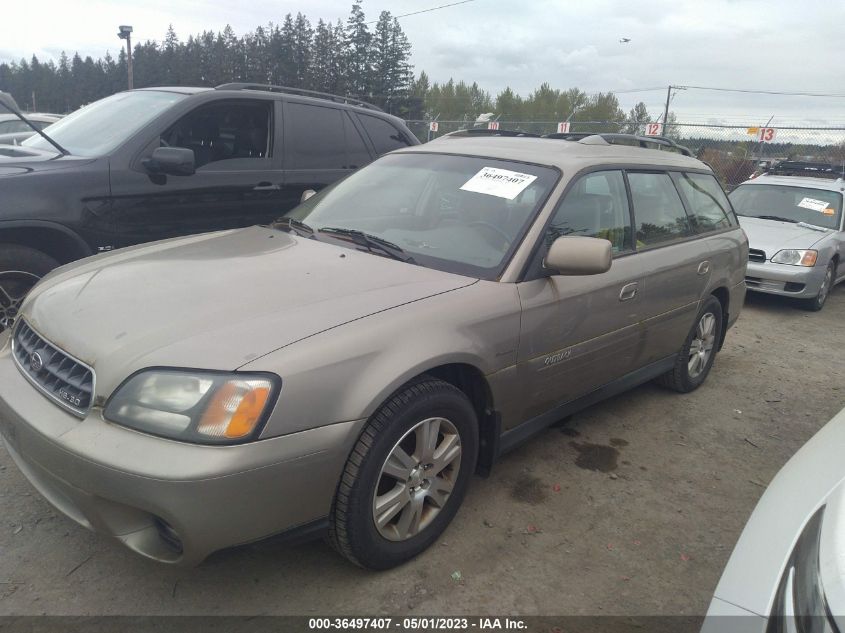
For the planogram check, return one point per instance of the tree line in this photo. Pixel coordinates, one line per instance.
(345, 58)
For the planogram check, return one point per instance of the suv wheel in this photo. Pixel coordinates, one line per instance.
(696, 356)
(407, 475)
(20, 269)
(817, 303)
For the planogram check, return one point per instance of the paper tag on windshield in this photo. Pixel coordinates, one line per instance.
(501, 183)
(814, 205)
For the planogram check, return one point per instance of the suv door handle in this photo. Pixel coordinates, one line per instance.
(629, 291)
(266, 186)
(704, 268)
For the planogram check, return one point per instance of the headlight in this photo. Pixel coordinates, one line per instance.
(194, 406)
(800, 604)
(795, 257)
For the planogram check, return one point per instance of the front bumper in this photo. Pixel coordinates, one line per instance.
(169, 501)
(783, 279)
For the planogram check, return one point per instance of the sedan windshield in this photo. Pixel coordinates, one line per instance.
(820, 207)
(454, 213)
(98, 128)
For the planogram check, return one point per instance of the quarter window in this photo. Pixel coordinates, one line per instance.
(658, 209)
(384, 136)
(595, 206)
(708, 203)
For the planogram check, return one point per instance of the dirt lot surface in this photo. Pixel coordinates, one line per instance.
(631, 508)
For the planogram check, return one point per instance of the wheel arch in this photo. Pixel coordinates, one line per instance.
(50, 238)
(723, 295)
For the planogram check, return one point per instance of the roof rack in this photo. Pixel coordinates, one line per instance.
(487, 132)
(811, 170)
(300, 92)
(615, 138)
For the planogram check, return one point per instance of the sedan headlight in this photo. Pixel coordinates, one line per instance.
(795, 257)
(194, 406)
(800, 605)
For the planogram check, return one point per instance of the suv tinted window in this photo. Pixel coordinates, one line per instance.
(357, 152)
(708, 203)
(224, 132)
(658, 209)
(314, 137)
(384, 136)
(595, 206)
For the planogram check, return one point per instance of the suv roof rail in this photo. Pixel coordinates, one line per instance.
(298, 91)
(808, 169)
(617, 138)
(481, 131)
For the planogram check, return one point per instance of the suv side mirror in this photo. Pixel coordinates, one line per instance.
(578, 255)
(176, 161)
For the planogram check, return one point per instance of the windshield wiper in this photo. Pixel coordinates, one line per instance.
(293, 224)
(370, 242)
(8, 102)
(775, 217)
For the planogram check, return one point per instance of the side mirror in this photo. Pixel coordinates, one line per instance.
(176, 161)
(307, 194)
(578, 255)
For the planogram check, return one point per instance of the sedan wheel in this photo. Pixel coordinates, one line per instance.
(406, 476)
(417, 479)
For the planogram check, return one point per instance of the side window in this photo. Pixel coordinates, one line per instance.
(384, 136)
(595, 206)
(357, 152)
(314, 137)
(708, 203)
(658, 209)
(9, 127)
(230, 131)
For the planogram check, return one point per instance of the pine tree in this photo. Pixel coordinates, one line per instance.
(359, 53)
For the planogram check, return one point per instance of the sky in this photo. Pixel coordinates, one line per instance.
(774, 45)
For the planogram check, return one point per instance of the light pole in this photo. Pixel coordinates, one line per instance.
(124, 33)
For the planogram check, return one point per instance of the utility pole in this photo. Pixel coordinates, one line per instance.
(124, 33)
(666, 110)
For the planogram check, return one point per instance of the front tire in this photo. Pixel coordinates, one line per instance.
(407, 475)
(20, 269)
(817, 303)
(696, 356)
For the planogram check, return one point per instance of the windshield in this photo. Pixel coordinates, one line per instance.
(820, 207)
(454, 213)
(98, 128)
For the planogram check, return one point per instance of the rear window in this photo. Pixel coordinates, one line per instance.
(383, 134)
(786, 203)
(314, 137)
(658, 209)
(709, 205)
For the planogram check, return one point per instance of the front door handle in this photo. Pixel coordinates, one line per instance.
(266, 186)
(629, 291)
(704, 268)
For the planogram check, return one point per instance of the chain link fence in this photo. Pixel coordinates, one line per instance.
(735, 152)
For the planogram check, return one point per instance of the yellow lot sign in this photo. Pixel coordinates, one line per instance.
(753, 130)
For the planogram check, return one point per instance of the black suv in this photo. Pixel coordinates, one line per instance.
(155, 163)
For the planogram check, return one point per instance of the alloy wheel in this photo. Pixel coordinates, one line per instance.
(828, 279)
(14, 284)
(701, 346)
(416, 479)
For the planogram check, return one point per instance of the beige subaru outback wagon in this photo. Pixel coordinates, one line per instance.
(349, 368)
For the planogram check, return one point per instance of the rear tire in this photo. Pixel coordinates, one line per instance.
(382, 515)
(20, 269)
(817, 303)
(696, 356)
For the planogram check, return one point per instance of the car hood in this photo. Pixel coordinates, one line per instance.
(215, 301)
(772, 235)
(812, 478)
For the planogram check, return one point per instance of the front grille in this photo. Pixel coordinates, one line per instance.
(755, 255)
(67, 381)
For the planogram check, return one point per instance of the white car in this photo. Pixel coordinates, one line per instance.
(787, 571)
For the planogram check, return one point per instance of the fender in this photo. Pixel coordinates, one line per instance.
(81, 246)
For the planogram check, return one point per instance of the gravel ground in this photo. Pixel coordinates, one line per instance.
(631, 508)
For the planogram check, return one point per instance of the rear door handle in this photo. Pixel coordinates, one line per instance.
(704, 268)
(629, 291)
(266, 186)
